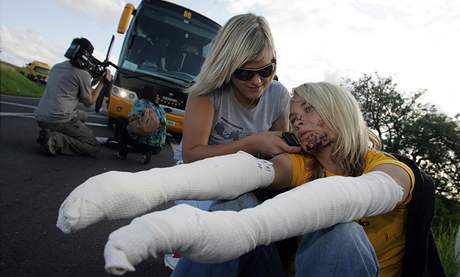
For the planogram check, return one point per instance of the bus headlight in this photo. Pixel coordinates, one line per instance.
(124, 93)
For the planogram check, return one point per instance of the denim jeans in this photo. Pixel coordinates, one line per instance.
(340, 250)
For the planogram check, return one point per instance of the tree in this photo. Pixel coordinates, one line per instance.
(410, 128)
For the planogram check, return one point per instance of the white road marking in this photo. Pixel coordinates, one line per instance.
(27, 115)
(18, 105)
(90, 114)
(96, 124)
(32, 115)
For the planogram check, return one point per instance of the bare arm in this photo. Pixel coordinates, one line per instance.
(283, 172)
(197, 128)
(91, 99)
(399, 175)
(199, 114)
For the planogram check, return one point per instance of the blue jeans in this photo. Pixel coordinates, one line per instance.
(340, 250)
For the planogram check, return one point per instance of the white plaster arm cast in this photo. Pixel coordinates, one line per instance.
(211, 237)
(115, 194)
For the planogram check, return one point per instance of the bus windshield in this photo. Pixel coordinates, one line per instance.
(41, 70)
(161, 42)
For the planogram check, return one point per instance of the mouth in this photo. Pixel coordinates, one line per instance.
(255, 88)
(301, 135)
(313, 141)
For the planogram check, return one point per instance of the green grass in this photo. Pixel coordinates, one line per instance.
(445, 226)
(445, 241)
(14, 83)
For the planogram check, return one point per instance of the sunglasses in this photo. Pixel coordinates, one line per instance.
(244, 74)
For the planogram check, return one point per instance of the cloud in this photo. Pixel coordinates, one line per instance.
(22, 46)
(105, 10)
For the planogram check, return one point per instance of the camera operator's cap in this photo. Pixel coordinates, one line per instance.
(85, 44)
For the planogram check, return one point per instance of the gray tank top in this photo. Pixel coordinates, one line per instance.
(232, 121)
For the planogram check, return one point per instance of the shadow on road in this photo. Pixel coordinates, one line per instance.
(32, 188)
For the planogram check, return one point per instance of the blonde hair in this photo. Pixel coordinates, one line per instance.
(341, 113)
(244, 38)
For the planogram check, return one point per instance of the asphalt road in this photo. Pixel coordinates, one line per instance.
(32, 187)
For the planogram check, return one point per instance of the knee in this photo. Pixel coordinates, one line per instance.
(346, 232)
(346, 236)
(340, 249)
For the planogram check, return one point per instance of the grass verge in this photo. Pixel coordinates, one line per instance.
(14, 83)
(445, 240)
(446, 223)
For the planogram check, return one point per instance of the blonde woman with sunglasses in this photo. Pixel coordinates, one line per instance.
(234, 103)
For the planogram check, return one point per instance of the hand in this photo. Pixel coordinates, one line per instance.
(178, 229)
(270, 144)
(144, 120)
(111, 195)
(107, 75)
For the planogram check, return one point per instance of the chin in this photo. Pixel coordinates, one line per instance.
(308, 151)
(254, 94)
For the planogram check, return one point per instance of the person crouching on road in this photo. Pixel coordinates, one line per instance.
(144, 129)
(63, 130)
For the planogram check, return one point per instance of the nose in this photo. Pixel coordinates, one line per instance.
(257, 80)
(297, 122)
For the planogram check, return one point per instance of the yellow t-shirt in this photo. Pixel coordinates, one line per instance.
(386, 232)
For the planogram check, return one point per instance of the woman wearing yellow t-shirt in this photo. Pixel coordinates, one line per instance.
(327, 121)
(340, 180)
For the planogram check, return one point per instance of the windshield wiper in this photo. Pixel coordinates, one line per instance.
(148, 77)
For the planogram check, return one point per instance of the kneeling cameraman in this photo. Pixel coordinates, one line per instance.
(69, 82)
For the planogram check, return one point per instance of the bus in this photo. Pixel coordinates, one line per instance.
(36, 71)
(164, 47)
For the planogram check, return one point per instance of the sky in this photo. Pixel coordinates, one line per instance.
(416, 42)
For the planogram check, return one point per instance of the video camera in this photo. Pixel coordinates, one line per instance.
(80, 55)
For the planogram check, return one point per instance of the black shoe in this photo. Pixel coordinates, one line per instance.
(156, 150)
(120, 156)
(147, 157)
(43, 136)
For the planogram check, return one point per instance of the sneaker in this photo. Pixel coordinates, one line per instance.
(102, 140)
(49, 147)
(170, 261)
